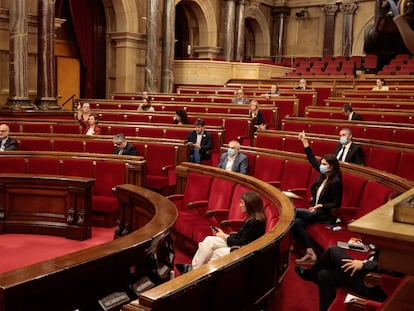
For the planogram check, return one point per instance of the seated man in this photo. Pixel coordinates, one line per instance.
(348, 151)
(335, 268)
(7, 143)
(122, 146)
(200, 142)
(240, 99)
(274, 91)
(350, 114)
(233, 160)
(302, 85)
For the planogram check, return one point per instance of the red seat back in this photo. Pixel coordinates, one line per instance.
(374, 196)
(268, 168)
(108, 175)
(43, 166)
(77, 167)
(12, 165)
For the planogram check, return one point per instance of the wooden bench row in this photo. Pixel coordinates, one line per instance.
(104, 205)
(389, 157)
(379, 103)
(367, 114)
(79, 280)
(394, 132)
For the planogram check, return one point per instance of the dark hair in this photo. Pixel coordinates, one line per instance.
(334, 163)
(183, 116)
(347, 107)
(95, 116)
(254, 205)
(199, 122)
(382, 80)
(147, 105)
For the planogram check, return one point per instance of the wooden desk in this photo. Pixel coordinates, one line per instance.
(51, 205)
(396, 242)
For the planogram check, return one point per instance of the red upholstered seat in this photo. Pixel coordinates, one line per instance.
(36, 128)
(295, 177)
(236, 129)
(34, 145)
(268, 141)
(105, 208)
(272, 216)
(126, 130)
(96, 146)
(322, 147)
(405, 166)
(269, 169)
(77, 167)
(161, 161)
(292, 144)
(49, 166)
(12, 165)
(151, 132)
(67, 129)
(384, 159)
(210, 212)
(67, 145)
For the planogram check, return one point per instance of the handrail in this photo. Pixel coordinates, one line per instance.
(70, 98)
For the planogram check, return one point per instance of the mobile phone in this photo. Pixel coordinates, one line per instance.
(214, 229)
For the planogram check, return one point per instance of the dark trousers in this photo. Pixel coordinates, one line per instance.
(329, 275)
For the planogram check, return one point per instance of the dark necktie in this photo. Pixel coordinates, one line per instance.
(341, 157)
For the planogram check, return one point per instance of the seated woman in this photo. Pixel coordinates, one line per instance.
(90, 127)
(380, 86)
(326, 193)
(218, 245)
(256, 116)
(181, 117)
(145, 105)
(84, 111)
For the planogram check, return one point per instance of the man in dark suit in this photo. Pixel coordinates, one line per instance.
(346, 150)
(7, 143)
(233, 160)
(200, 142)
(350, 114)
(122, 146)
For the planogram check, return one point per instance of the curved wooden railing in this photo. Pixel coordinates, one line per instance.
(245, 278)
(80, 279)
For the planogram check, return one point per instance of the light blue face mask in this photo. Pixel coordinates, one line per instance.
(231, 152)
(343, 140)
(323, 169)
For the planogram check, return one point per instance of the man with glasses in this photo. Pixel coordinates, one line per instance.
(122, 146)
(7, 143)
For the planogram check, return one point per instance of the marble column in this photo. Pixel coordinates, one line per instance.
(329, 31)
(18, 57)
(348, 9)
(168, 47)
(46, 70)
(278, 30)
(240, 26)
(153, 51)
(229, 29)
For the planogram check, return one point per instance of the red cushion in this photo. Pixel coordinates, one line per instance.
(106, 204)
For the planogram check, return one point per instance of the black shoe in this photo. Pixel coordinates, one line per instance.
(183, 267)
(305, 274)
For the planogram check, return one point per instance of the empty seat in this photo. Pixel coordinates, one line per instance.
(105, 208)
(67, 145)
(12, 165)
(77, 167)
(49, 166)
(34, 144)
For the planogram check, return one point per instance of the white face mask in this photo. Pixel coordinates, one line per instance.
(343, 140)
(324, 169)
(231, 152)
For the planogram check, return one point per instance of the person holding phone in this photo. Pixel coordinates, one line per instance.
(220, 243)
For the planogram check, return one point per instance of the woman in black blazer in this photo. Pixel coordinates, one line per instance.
(326, 193)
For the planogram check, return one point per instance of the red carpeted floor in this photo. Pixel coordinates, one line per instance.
(18, 250)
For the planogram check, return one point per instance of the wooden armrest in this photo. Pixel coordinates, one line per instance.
(175, 197)
(217, 213)
(235, 224)
(372, 279)
(197, 204)
(167, 168)
(292, 195)
(356, 304)
(274, 183)
(298, 191)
